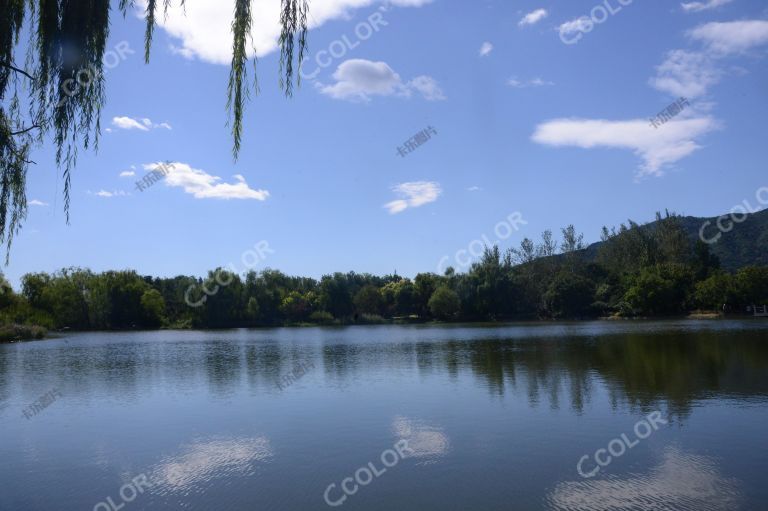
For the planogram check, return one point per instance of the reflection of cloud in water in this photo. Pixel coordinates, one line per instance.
(425, 441)
(201, 462)
(682, 482)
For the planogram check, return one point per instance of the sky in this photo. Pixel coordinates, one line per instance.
(420, 127)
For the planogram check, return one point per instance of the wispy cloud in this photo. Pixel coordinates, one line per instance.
(413, 195)
(522, 84)
(107, 194)
(657, 148)
(474, 189)
(486, 49)
(427, 87)
(360, 80)
(144, 124)
(692, 73)
(731, 37)
(703, 6)
(580, 24)
(35, 202)
(203, 185)
(685, 73)
(533, 17)
(127, 173)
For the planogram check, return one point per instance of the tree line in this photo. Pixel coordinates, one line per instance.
(636, 270)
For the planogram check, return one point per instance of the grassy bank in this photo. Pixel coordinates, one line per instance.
(15, 333)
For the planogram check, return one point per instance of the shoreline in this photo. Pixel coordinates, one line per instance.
(696, 316)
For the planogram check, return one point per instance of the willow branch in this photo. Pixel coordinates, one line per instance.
(14, 133)
(14, 68)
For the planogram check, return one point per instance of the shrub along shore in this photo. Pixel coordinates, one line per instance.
(652, 270)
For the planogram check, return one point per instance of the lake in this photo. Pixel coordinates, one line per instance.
(663, 415)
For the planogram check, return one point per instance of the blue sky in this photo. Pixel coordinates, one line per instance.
(523, 122)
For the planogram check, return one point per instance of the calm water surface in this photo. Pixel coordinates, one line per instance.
(495, 418)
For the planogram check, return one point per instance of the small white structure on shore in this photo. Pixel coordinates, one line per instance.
(760, 312)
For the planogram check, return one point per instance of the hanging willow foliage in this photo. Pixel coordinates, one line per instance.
(63, 81)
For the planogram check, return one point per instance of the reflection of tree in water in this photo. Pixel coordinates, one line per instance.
(638, 369)
(562, 369)
(539, 364)
(223, 364)
(268, 363)
(5, 392)
(682, 368)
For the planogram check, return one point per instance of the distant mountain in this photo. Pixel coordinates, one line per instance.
(745, 245)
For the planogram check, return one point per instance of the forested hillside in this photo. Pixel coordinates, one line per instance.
(744, 244)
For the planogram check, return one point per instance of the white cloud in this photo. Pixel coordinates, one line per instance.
(680, 480)
(202, 185)
(703, 6)
(35, 202)
(486, 49)
(685, 73)
(414, 194)
(692, 73)
(128, 123)
(127, 173)
(521, 84)
(658, 148)
(581, 24)
(359, 80)
(474, 189)
(428, 87)
(533, 17)
(202, 29)
(106, 194)
(424, 441)
(199, 461)
(725, 38)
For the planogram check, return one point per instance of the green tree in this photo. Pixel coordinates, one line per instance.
(152, 308)
(569, 296)
(368, 300)
(752, 285)
(399, 297)
(715, 291)
(444, 303)
(424, 286)
(335, 295)
(295, 307)
(663, 289)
